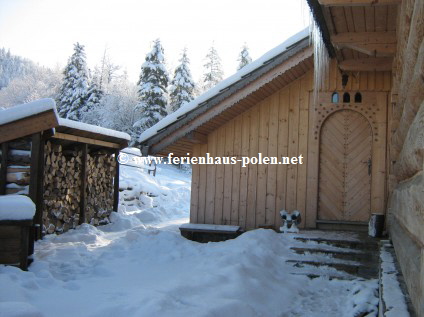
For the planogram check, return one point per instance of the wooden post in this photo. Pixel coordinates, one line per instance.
(3, 171)
(25, 246)
(83, 190)
(116, 183)
(36, 181)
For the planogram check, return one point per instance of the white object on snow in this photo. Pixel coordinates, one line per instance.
(223, 84)
(290, 221)
(93, 128)
(27, 110)
(16, 207)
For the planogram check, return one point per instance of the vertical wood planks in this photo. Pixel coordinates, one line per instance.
(210, 180)
(253, 168)
(219, 186)
(36, 180)
(312, 166)
(244, 171)
(262, 168)
(202, 186)
(271, 187)
(228, 175)
(293, 146)
(283, 128)
(378, 186)
(303, 144)
(195, 183)
(236, 170)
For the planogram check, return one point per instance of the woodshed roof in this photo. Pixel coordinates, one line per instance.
(263, 79)
(41, 115)
(27, 119)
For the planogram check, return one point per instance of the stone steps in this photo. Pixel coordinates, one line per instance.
(356, 256)
(343, 256)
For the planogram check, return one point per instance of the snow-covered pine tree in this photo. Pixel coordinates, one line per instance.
(94, 96)
(244, 57)
(182, 85)
(213, 73)
(74, 89)
(152, 86)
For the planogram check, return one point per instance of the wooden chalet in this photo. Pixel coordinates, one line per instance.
(67, 168)
(357, 120)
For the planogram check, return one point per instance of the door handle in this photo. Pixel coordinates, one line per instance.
(369, 164)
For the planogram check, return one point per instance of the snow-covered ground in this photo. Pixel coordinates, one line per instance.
(139, 265)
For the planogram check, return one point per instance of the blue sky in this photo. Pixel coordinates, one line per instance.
(45, 30)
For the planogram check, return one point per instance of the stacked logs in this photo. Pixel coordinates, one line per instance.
(62, 188)
(18, 167)
(99, 188)
(63, 181)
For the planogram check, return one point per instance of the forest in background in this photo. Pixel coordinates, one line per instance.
(104, 95)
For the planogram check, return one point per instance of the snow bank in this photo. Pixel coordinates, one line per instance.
(16, 207)
(27, 110)
(391, 291)
(223, 84)
(93, 128)
(153, 200)
(151, 272)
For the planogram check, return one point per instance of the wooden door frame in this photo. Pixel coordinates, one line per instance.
(369, 146)
(374, 108)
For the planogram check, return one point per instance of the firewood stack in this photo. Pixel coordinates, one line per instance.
(18, 168)
(99, 191)
(62, 183)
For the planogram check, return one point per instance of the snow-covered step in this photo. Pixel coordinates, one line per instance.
(363, 271)
(343, 255)
(356, 255)
(355, 245)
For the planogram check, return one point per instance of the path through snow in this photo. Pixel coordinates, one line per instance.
(139, 265)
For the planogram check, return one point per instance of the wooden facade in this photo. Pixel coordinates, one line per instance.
(288, 123)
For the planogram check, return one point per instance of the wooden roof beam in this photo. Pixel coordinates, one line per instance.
(364, 38)
(80, 139)
(375, 50)
(367, 64)
(353, 3)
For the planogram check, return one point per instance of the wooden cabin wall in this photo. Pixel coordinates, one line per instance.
(280, 125)
(406, 212)
(252, 196)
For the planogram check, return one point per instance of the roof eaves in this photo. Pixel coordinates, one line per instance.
(228, 91)
(322, 25)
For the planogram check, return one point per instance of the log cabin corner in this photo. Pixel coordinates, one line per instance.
(356, 117)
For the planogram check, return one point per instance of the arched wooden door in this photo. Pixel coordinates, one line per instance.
(345, 168)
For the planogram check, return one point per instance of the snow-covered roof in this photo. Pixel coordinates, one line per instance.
(93, 129)
(173, 117)
(27, 110)
(16, 207)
